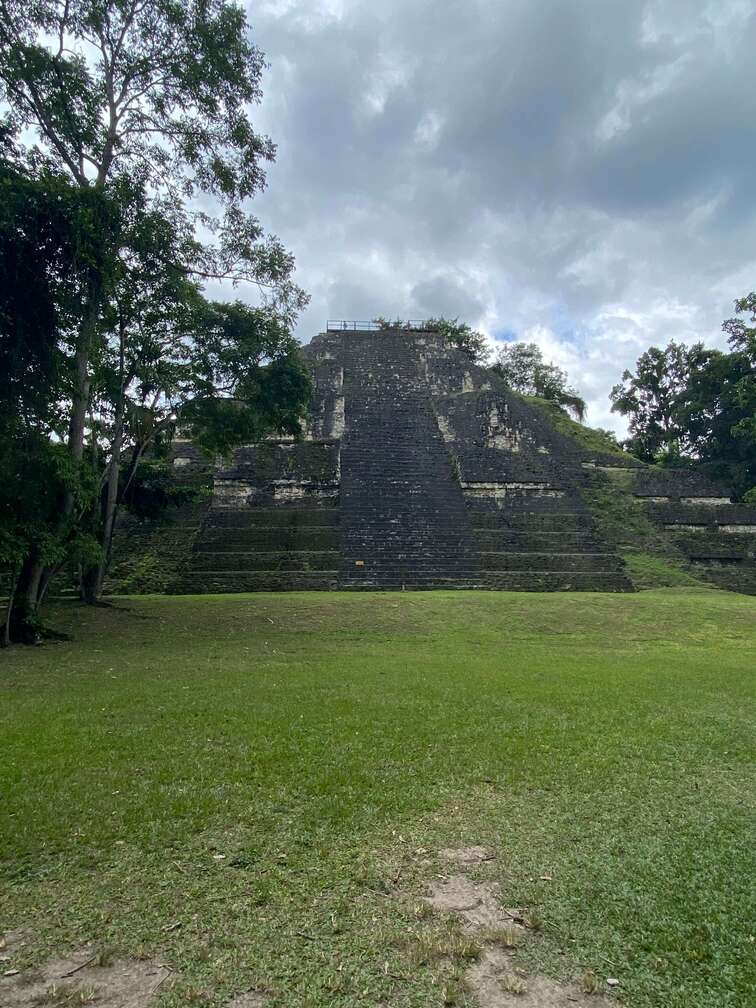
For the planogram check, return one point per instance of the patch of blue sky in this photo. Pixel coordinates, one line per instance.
(504, 336)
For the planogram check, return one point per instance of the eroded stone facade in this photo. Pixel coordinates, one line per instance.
(418, 469)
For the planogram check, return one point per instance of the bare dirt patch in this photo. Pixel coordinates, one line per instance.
(494, 979)
(252, 999)
(475, 902)
(495, 984)
(77, 979)
(466, 856)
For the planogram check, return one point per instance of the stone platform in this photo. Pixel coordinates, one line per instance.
(420, 470)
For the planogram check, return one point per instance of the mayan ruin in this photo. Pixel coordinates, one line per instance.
(419, 469)
(377, 504)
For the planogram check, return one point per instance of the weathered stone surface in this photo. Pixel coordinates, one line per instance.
(716, 536)
(420, 470)
(403, 517)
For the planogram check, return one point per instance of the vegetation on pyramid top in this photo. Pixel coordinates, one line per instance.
(594, 439)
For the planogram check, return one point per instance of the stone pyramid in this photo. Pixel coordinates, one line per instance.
(420, 470)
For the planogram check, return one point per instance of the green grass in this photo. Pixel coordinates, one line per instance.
(647, 570)
(652, 560)
(318, 742)
(620, 517)
(589, 437)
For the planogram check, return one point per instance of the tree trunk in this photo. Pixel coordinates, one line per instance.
(82, 383)
(77, 422)
(92, 579)
(44, 583)
(111, 511)
(23, 617)
(136, 457)
(11, 596)
(89, 585)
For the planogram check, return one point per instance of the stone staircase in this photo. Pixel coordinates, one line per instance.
(415, 474)
(545, 546)
(265, 549)
(404, 523)
(521, 482)
(273, 524)
(418, 469)
(718, 538)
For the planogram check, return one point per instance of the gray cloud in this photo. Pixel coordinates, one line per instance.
(579, 173)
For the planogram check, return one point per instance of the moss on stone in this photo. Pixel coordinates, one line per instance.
(651, 560)
(149, 554)
(649, 570)
(141, 575)
(620, 518)
(587, 437)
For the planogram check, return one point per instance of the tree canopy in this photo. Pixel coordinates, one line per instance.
(129, 158)
(522, 367)
(697, 406)
(462, 336)
(649, 397)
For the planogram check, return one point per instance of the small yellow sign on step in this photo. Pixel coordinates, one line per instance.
(359, 563)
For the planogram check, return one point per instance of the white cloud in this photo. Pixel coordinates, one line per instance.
(578, 174)
(429, 128)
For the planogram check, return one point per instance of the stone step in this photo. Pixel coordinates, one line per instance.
(266, 581)
(609, 581)
(566, 521)
(202, 582)
(502, 517)
(394, 574)
(716, 538)
(701, 515)
(551, 562)
(394, 583)
(268, 539)
(288, 560)
(271, 517)
(738, 577)
(493, 541)
(545, 581)
(716, 551)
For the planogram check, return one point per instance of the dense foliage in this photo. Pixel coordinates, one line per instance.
(47, 243)
(696, 406)
(522, 367)
(122, 120)
(463, 337)
(649, 398)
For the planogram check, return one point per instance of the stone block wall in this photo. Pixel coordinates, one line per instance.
(404, 522)
(420, 470)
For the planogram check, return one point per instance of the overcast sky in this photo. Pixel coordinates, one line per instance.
(578, 173)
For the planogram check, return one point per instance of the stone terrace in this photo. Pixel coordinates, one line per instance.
(420, 470)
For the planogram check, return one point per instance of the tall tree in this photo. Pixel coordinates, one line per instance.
(224, 373)
(141, 100)
(45, 248)
(717, 409)
(522, 367)
(649, 398)
(155, 91)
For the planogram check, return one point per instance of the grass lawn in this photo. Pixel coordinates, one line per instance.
(250, 788)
